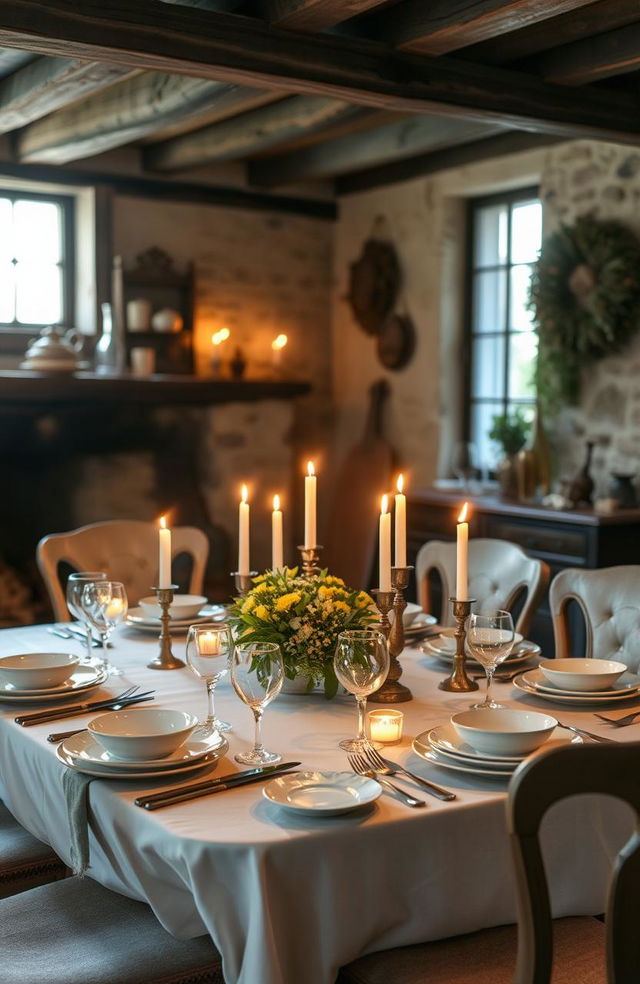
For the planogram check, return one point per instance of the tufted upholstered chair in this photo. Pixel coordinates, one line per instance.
(610, 602)
(25, 862)
(127, 549)
(499, 572)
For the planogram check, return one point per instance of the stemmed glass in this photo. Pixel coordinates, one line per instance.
(361, 662)
(257, 674)
(464, 463)
(209, 647)
(105, 606)
(75, 587)
(490, 640)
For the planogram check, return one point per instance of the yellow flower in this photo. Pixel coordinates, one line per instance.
(331, 579)
(259, 579)
(249, 604)
(363, 600)
(341, 606)
(286, 601)
(261, 612)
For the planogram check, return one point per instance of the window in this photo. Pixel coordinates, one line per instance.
(36, 260)
(505, 236)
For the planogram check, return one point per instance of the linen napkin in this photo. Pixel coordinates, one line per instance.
(76, 791)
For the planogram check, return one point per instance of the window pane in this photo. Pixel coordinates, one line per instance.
(482, 415)
(520, 318)
(39, 293)
(490, 241)
(38, 233)
(523, 350)
(489, 301)
(526, 230)
(487, 377)
(6, 224)
(7, 292)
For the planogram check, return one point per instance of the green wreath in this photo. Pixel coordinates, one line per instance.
(585, 295)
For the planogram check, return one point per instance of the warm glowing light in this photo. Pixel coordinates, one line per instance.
(220, 336)
(279, 342)
(311, 468)
(462, 518)
(400, 483)
(276, 503)
(384, 504)
(244, 494)
(163, 522)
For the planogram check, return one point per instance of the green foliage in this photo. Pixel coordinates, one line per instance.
(510, 431)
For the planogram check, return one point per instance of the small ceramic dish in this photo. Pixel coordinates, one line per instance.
(183, 606)
(582, 675)
(504, 732)
(143, 732)
(37, 671)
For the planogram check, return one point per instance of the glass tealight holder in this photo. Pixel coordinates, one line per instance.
(385, 725)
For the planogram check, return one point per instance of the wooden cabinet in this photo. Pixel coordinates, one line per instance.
(579, 538)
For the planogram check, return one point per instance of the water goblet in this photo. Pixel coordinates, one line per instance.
(464, 463)
(361, 662)
(209, 647)
(490, 640)
(105, 605)
(257, 674)
(75, 587)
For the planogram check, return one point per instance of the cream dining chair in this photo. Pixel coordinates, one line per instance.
(126, 549)
(609, 599)
(499, 573)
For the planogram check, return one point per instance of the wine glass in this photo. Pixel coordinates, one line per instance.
(257, 674)
(361, 662)
(75, 587)
(105, 606)
(490, 640)
(464, 463)
(209, 647)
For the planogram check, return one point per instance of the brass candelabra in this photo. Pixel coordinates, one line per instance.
(459, 680)
(392, 691)
(310, 560)
(243, 582)
(165, 660)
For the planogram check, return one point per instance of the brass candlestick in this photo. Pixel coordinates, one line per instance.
(310, 560)
(459, 681)
(243, 582)
(165, 660)
(392, 691)
(384, 604)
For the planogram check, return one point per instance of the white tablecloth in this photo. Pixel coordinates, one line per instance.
(288, 899)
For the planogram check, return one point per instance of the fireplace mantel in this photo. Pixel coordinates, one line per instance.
(41, 390)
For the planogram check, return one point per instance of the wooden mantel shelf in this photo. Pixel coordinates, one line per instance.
(48, 390)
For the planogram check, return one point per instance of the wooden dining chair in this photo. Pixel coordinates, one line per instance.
(610, 603)
(500, 573)
(577, 950)
(25, 862)
(127, 549)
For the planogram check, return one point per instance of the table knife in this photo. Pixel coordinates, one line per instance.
(209, 786)
(43, 717)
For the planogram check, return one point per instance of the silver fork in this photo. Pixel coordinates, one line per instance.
(361, 767)
(388, 768)
(622, 722)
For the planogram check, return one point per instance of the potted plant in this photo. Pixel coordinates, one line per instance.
(510, 431)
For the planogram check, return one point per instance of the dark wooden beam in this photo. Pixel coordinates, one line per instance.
(441, 26)
(442, 160)
(403, 138)
(247, 133)
(614, 53)
(173, 191)
(245, 51)
(316, 15)
(46, 84)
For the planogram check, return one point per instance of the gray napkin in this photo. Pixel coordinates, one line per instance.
(76, 791)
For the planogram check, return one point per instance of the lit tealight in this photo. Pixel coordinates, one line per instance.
(385, 726)
(209, 644)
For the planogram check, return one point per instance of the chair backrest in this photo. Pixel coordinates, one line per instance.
(499, 572)
(543, 779)
(610, 602)
(126, 549)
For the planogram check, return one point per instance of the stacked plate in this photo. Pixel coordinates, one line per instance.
(80, 679)
(139, 619)
(444, 646)
(418, 625)
(580, 681)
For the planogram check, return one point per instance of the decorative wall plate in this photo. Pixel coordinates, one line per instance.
(374, 281)
(396, 341)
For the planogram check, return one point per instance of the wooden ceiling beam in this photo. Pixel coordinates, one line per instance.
(44, 85)
(613, 53)
(403, 138)
(247, 52)
(130, 111)
(316, 15)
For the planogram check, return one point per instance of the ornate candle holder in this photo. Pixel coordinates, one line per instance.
(392, 691)
(310, 560)
(459, 681)
(165, 660)
(243, 582)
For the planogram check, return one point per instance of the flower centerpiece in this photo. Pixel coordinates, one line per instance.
(304, 615)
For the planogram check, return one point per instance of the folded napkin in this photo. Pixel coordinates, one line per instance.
(76, 790)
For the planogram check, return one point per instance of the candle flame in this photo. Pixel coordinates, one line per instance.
(462, 518)
(244, 494)
(311, 470)
(276, 503)
(400, 483)
(279, 342)
(163, 522)
(220, 336)
(384, 504)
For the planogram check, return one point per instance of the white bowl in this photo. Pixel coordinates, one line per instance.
(582, 674)
(182, 606)
(142, 732)
(504, 732)
(37, 671)
(410, 613)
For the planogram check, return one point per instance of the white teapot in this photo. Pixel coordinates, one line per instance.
(55, 349)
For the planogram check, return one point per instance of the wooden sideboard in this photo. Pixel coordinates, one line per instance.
(579, 538)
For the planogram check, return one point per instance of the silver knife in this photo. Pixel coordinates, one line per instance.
(209, 786)
(43, 717)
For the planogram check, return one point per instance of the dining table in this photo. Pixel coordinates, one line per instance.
(289, 898)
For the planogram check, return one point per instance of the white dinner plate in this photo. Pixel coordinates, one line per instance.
(421, 622)
(107, 772)
(446, 741)
(323, 794)
(422, 748)
(559, 698)
(85, 748)
(628, 683)
(524, 651)
(82, 679)
(136, 619)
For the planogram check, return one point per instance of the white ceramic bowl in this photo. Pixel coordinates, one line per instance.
(582, 674)
(503, 732)
(182, 606)
(410, 613)
(37, 671)
(142, 732)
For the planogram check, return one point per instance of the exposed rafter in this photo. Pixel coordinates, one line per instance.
(316, 15)
(613, 53)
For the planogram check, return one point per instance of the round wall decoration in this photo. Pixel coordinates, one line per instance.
(396, 341)
(585, 295)
(374, 280)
